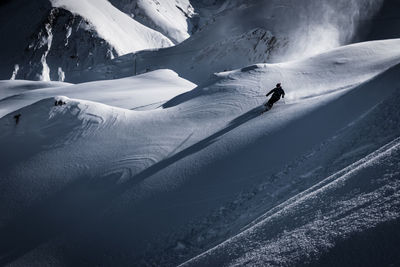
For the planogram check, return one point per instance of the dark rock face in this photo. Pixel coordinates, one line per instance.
(51, 46)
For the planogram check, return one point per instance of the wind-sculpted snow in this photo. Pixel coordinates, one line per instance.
(146, 91)
(112, 186)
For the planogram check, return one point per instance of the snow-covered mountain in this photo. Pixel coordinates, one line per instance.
(164, 157)
(171, 18)
(242, 33)
(65, 38)
(62, 37)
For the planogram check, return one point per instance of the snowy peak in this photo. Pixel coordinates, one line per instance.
(69, 36)
(63, 43)
(122, 32)
(91, 33)
(171, 18)
(252, 32)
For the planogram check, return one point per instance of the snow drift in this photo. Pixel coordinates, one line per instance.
(146, 91)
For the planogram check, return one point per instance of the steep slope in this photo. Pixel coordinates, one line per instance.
(177, 20)
(151, 187)
(349, 218)
(62, 37)
(122, 32)
(356, 209)
(171, 18)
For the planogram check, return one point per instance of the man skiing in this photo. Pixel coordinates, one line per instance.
(277, 92)
(16, 117)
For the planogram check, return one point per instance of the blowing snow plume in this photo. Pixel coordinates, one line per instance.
(316, 26)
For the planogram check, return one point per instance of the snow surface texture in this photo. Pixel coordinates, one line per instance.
(357, 198)
(104, 185)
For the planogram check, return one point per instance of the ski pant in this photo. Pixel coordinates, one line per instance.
(272, 101)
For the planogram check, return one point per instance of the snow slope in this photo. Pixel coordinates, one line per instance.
(171, 18)
(350, 218)
(338, 210)
(144, 91)
(122, 32)
(105, 185)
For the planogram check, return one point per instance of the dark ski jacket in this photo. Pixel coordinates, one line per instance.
(277, 93)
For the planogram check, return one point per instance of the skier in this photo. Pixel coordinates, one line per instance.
(277, 92)
(16, 117)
